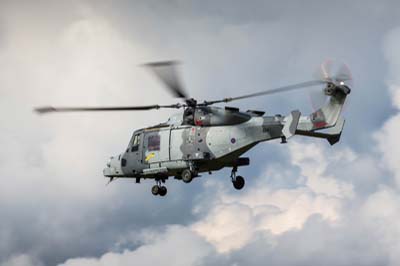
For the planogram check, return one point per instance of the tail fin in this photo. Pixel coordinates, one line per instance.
(327, 117)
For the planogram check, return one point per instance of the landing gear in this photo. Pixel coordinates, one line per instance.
(159, 190)
(237, 181)
(163, 191)
(155, 190)
(187, 176)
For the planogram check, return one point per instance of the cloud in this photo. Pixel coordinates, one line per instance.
(392, 55)
(307, 204)
(366, 222)
(296, 225)
(381, 213)
(291, 226)
(388, 137)
(21, 260)
(234, 220)
(176, 246)
(56, 193)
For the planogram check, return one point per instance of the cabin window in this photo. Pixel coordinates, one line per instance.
(153, 143)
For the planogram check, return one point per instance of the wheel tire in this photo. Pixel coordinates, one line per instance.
(187, 176)
(155, 190)
(163, 191)
(238, 183)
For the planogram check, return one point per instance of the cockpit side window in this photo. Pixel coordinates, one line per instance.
(135, 143)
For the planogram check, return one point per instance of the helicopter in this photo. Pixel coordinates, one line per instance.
(206, 138)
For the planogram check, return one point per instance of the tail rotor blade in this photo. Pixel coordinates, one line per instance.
(316, 95)
(330, 71)
(317, 98)
(335, 71)
(326, 70)
(343, 74)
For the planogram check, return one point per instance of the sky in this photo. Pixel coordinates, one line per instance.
(304, 203)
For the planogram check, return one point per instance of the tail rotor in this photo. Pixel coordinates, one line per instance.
(334, 74)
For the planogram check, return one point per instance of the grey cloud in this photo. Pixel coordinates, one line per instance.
(53, 197)
(22, 260)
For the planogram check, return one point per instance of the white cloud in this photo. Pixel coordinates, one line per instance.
(227, 226)
(236, 219)
(387, 137)
(392, 55)
(313, 160)
(389, 146)
(81, 61)
(54, 163)
(177, 246)
(381, 214)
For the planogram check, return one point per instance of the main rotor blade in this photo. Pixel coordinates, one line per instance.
(272, 91)
(50, 109)
(166, 72)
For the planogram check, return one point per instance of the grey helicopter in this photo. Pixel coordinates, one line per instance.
(206, 138)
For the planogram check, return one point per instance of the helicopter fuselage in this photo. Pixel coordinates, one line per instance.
(215, 139)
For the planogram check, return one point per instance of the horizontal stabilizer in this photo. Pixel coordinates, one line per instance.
(331, 134)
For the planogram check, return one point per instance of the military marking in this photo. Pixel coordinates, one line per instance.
(148, 157)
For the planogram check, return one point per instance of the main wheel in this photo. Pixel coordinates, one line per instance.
(238, 183)
(187, 176)
(155, 190)
(162, 191)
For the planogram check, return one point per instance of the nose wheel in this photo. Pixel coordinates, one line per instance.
(158, 189)
(237, 181)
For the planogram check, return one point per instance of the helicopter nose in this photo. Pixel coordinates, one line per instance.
(113, 167)
(109, 162)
